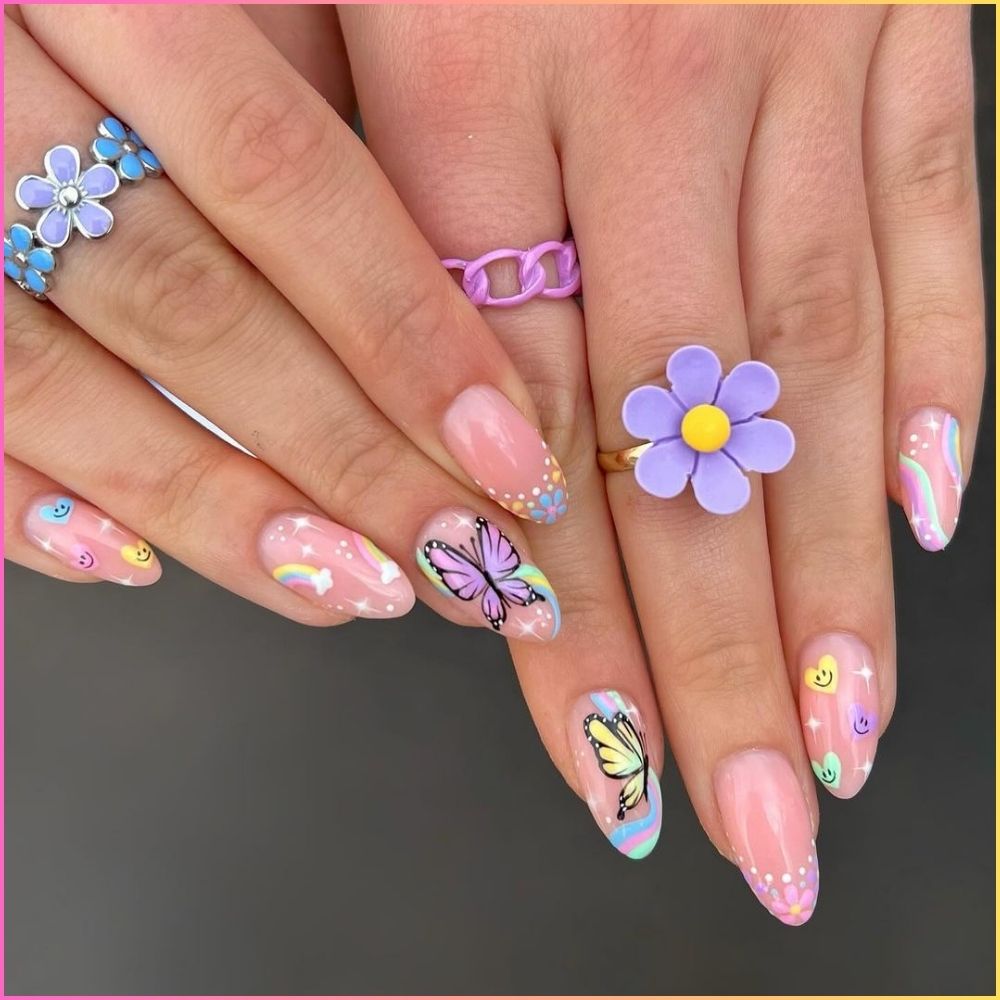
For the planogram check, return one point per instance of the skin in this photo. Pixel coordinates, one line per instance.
(789, 198)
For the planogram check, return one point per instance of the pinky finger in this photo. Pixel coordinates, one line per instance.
(49, 530)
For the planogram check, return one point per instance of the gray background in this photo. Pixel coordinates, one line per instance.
(203, 797)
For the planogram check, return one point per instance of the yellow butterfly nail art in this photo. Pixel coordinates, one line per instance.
(621, 753)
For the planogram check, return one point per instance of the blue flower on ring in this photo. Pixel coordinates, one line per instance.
(25, 262)
(121, 146)
(551, 507)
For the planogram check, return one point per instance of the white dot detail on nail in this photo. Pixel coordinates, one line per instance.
(914, 437)
(786, 878)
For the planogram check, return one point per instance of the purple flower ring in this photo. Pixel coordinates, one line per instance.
(706, 429)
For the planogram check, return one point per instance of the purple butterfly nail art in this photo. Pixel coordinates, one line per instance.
(486, 570)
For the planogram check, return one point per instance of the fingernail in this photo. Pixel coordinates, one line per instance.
(608, 738)
(84, 538)
(472, 562)
(838, 703)
(333, 567)
(930, 470)
(767, 822)
(505, 455)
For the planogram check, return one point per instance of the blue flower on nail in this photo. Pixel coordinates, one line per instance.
(551, 507)
(121, 146)
(25, 262)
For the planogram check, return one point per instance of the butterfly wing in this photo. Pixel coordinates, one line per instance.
(516, 591)
(457, 571)
(500, 558)
(621, 753)
(494, 608)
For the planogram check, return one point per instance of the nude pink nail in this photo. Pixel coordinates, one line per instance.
(930, 472)
(470, 561)
(333, 567)
(505, 455)
(608, 738)
(766, 819)
(838, 703)
(84, 538)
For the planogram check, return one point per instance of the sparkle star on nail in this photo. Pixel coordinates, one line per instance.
(528, 628)
(106, 525)
(866, 767)
(933, 426)
(125, 581)
(813, 723)
(302, 522)
(362, 605)
(866, 673)
(462, 521)
(307, 550)
(45, 543)
(916, 520)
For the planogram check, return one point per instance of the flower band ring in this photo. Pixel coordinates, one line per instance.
(70, 198)
(531, 274)
(706, 429)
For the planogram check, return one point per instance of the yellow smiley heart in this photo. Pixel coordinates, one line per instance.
(139, 555)
(823, 677)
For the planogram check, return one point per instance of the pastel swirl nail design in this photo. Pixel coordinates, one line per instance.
(839, 718)
(767, 821)
(333, 567)
(621, 784)
(85, 539)
(505, 455)
(930, 472)
(468, 558)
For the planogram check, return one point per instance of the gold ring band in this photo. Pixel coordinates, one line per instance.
(623, 460)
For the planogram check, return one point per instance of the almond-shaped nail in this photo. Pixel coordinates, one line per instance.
(767, 822)
(333, 567)
(492, 581)
(84, 538)
(930, 472)
(505, 454)
(608, 739)
(838, 703)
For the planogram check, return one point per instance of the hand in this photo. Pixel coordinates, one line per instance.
(792, 184)
(274, 283)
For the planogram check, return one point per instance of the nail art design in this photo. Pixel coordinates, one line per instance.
(767, 821)
(85, 539)
(838, 704)
(505, 455)
(333, 567)
(469, 558)
(622, 787)
(930, 471)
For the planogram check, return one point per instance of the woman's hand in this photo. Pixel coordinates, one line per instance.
(791, 184)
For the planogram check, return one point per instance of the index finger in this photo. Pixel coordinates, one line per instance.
(271, 165)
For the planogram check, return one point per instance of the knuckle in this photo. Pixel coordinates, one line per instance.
(934, 177)
(820, 309)
(268, 133)
(719, 666)
(185, 487)
(38, 357)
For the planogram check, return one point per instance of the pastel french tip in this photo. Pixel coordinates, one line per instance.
(767, 822)
(487, 578)
(83, 538)
(839, 709)
(505, 455)
(624, 800)
(333, 567)
(930, 475)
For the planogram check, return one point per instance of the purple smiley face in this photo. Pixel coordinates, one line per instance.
(862, 722)
(82, 558)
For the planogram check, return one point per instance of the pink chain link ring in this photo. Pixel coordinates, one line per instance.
(530, 272)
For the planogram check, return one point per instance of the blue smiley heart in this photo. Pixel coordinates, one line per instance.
(58, 512)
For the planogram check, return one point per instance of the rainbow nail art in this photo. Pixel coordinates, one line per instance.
(930, 472)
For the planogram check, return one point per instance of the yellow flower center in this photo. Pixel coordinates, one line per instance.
(705, 427)
(795, 908)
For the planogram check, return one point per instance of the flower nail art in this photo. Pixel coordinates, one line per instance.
(70, 199)
(121, 146)
(27, 263)
(707, 429)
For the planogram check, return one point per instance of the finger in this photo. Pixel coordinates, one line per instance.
(61, 536)
(814, 312)
(465, 207)
(77, 413)
(921, 175)
(255, 149)
(666, 278)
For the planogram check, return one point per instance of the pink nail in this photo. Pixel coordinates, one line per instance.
(930, 471)
(333, 567)
(608, 739)
(505, 455)
(838, 702)
(767, 822)
(85, 539)
(472, 562)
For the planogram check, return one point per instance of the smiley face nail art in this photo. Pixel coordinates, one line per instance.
(83, 538)
(838, 703)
